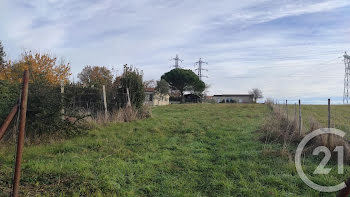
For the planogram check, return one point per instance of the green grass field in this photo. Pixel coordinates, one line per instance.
(183, 150)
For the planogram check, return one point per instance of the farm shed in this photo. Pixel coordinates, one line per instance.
(192, 98)
(233, 98)
(153, 98)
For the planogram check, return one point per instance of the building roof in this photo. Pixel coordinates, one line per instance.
(233, 95)
(191, 95)
(149, 89)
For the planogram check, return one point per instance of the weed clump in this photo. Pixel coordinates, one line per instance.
(126, 114)
(280, 128)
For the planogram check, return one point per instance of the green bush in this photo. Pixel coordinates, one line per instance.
(43, 111)
(9, 94)
(131, 79)
(45, 103)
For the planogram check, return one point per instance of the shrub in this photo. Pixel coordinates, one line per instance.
(8, 97)
(43, 110)
(277, 127)
(131, 79)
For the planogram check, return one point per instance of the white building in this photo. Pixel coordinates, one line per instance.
(153, 98)
(234, 98)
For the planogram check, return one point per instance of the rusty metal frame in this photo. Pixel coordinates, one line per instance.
(20, 140)
(8, 120)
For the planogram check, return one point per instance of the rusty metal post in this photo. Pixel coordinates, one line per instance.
(346, 191)
(20, 141)
(8, 120)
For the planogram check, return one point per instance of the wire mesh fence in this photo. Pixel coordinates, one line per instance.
(332, 115)
(51, 107)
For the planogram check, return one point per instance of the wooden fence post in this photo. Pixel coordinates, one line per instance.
(330, 136)
(105, 101)
(295, 112)
(128, 95)
(62, 99)
(20, 140)
(287, 109)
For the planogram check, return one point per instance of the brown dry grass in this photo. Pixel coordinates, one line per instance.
(127, 114)
(278, 127)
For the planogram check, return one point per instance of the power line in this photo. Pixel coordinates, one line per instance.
(275, 77)
(200, 68)
(324, 64)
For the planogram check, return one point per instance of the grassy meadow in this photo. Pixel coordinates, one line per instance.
(183, 150)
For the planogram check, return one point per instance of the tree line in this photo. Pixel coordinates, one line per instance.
(48, 73)
(48, 69)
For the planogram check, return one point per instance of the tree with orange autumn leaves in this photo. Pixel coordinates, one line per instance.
(42, 67)
(96, 76)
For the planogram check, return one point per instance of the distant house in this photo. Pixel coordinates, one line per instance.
(153, 98)
(233, 98)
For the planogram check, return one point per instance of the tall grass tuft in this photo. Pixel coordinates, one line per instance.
(126, 114)
(277, 127)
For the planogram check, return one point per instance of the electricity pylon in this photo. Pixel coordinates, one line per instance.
(177, 59)
(200, 68)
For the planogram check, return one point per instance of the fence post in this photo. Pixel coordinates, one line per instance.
(20, 140)
(287, 109)
(105, 101)
(295, 112)
(128, 95)
(299, 118)
(62, 100)
(329, 113)
(330, 136)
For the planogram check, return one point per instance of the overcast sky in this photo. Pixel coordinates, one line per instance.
(288, 49)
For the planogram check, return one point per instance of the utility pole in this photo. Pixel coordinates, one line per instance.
(346, 78)
(200, 68)
(177, 59)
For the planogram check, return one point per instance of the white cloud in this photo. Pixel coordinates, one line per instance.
(280, 9)
(243, 48)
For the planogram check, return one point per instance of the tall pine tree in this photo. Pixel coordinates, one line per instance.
(2, 55)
